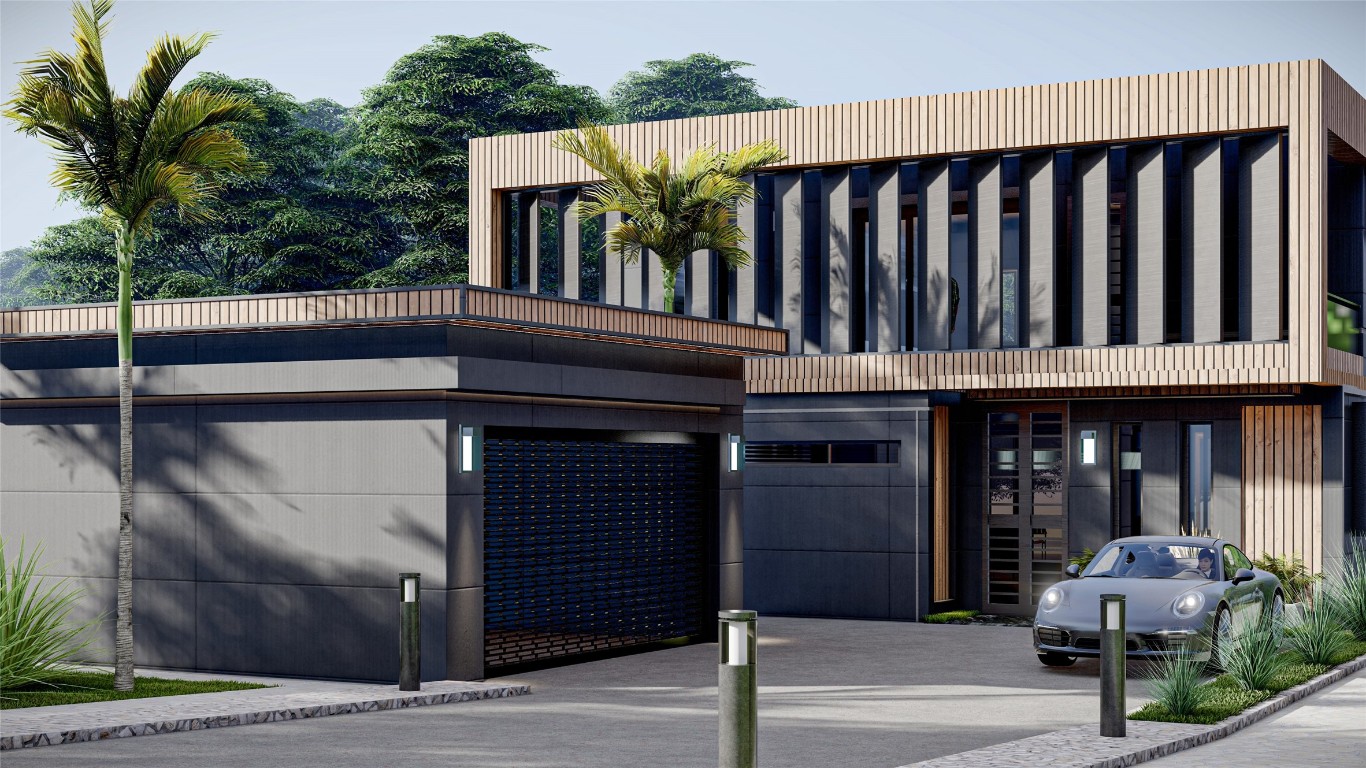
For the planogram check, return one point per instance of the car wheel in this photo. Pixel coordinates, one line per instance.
(1220, 633)
(1051, 659)
(1278, 608)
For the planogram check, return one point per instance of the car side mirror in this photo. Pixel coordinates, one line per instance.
(1243, 575)
(1073, 571)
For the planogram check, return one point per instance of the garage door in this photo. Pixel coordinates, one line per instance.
(589, 546)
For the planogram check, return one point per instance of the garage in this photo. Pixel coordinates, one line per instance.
(594, 542)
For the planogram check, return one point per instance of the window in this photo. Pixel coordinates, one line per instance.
(1010, 251)
(833, 452)
(1233, 560)
(1197, 479)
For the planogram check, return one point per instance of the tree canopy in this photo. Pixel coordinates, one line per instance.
(694, 86)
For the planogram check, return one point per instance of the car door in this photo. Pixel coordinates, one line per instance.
(1246, 598)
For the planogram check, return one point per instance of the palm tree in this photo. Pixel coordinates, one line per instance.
(127, 157)
(672, 214)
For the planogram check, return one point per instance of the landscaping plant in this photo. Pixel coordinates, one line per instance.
(1294, 575)
(1253, 656)
(1346, 590)
(1175, 683)
(1317, 634)
(36, 639)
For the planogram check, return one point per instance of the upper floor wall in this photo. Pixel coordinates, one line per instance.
(1284, 121)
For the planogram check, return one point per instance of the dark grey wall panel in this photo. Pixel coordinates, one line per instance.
(884, 248)
(834, 584)
(837, 263)
(932, 276)
(1091, 250)
(612, 285)
(571, 260)
(983, 300)
(1259, 239)
(1146, 219)
(787, 250)
(1202, 242)
(1037, 247)
(746, 216)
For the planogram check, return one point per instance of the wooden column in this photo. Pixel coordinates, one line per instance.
(939, 524)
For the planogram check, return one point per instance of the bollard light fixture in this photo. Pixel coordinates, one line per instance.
(1088, 446)
(471, 450)
(735, 456)
(737, 686)
(410, 632)
(1113, 647)
(409, 587)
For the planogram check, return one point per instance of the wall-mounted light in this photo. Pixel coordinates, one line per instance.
(735, 457)
(471, 451)
(1088, 446)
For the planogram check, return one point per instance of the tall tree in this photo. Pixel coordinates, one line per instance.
(414, 131)
(698, 85)
(127, 157)
(672, 213)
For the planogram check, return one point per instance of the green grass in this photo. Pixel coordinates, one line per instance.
(82, 687)
(1221, 701)
(950, 616)
(1353, 650)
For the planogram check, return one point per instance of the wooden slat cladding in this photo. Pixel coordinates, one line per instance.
(1024, 369)
(942, 583)
(1344, 368)
(1283, 481)
(460, 304)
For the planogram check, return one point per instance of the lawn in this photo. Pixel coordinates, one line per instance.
(83, 687)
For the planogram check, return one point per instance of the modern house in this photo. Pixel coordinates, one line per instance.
(980, 333)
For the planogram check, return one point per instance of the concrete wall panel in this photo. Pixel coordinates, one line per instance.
(1037, 248)
(984, 258)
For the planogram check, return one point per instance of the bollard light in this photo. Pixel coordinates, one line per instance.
(471, 448)
(1112, 665)
(410, 632)
(738, 690)
(735, 445)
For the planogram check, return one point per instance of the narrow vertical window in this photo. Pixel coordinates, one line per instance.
(1117, 279)
(1172, 221)
(1229, 279)
(1010, 251)
(1197, 479)
(1062, 265)
(909, 179)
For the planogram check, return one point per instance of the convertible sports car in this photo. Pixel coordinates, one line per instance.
(1182, 593)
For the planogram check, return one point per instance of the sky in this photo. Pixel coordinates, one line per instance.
(813, 52)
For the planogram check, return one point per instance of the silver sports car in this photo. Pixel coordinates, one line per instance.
(1181, 593)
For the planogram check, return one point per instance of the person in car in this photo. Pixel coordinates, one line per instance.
(1206, 566)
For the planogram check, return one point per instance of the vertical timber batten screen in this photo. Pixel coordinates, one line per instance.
(1283, 481)
(590, 546)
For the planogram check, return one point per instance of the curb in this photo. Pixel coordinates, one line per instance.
(1080, 747)
(26, 740)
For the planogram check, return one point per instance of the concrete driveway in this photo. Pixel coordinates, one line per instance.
(831, 692)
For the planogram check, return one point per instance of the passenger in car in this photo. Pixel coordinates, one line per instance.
(1206, 566)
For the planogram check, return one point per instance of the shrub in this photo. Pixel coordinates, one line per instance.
(950, 616)
(1346, 590)
(1253, 657)
(1219, 703)
(1294, 674)
(36, 641)
(1175, 683)
(1294, 576)
(1317, 635)
(1084, 559)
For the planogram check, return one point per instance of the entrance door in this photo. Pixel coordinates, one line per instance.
(1025, 543)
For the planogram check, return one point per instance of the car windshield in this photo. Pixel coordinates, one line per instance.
(1153, 560)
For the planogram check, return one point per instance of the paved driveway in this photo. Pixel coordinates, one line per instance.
(831, 692)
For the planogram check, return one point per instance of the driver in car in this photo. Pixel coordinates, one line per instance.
(1207, 563)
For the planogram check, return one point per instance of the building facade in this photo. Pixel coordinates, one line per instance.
(1021, 322)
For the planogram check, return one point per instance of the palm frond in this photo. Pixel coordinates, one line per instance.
(165, 61)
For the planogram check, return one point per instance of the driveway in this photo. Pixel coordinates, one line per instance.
(831, 692)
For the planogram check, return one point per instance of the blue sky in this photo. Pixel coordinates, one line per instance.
(814, 52)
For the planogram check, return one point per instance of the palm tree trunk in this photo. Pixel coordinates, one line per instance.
(123, 626)
(670, 278)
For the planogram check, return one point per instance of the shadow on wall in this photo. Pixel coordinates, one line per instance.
(251, 554)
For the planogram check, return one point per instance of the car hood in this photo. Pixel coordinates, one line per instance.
(1147, 602)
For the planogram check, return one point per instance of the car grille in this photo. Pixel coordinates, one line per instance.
(1082, 643)
(1055, 637)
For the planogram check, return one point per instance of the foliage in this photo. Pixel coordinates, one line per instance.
(1175, 683)
(1218, 704)
(1084, 559)
(949, 617)
(1346, 588)
(36, 639)
(1317, 635)
(697, 85)
(1253, 656)
(1291, 570)
(1293, 674)
(671, 212)
(412, 140)
(81, 687)
(1355, 649)
(19, 278)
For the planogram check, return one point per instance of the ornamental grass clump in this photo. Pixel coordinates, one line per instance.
(1175, 683)
(1317, 635)
(37, 642)
(1253, 656)
(1346, 589)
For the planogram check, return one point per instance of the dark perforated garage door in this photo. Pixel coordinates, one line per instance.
(589, 546)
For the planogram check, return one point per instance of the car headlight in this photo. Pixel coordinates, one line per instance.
(1188, 604)
(1051, 599)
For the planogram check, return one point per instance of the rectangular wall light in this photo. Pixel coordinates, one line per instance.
(471, 450)
(735, 458)
(1088, 446)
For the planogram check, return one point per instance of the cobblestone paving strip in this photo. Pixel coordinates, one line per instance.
(1083, 747)
(293, 700)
